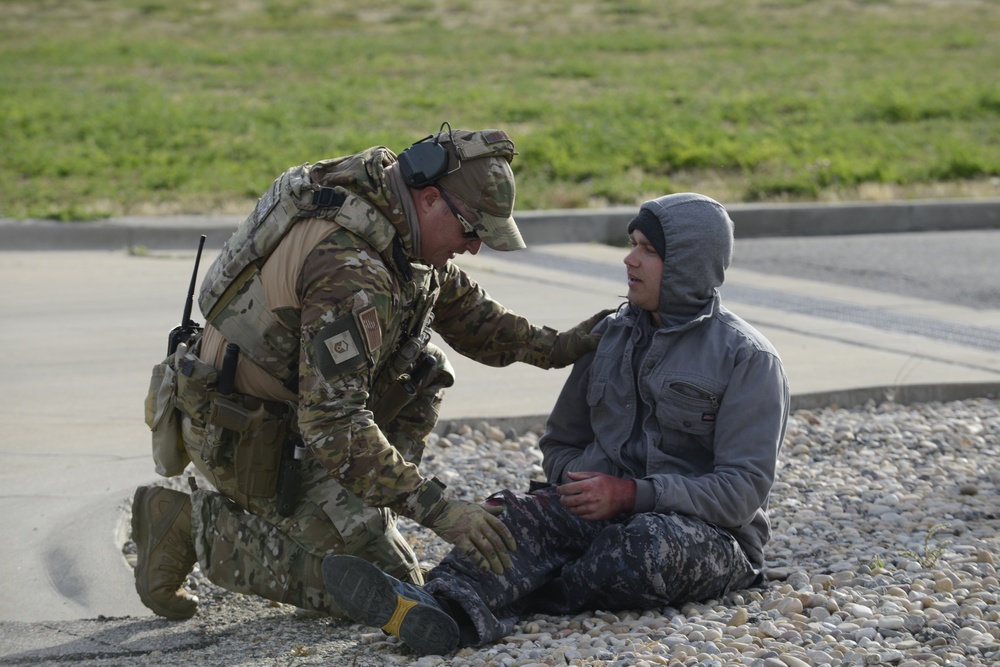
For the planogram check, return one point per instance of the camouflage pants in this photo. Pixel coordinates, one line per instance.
(564, 565)
(245, 546)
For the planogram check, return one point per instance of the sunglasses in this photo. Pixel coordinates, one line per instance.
(470, 231)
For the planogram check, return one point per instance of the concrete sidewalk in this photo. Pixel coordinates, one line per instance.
(82, 329)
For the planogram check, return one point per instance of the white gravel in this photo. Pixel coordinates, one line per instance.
(884, 553)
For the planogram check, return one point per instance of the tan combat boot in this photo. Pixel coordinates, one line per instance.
(161, 529)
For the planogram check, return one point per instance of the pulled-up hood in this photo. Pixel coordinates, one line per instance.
(698, 246)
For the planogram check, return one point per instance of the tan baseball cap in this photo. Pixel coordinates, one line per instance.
(485, 183)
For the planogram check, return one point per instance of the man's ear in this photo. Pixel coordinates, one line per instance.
(425, 198)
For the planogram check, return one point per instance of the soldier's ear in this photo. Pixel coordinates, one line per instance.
(425, 199)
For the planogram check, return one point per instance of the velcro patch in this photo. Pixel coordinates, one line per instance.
(491, 137)
(339, 347)
(342, 347)
(369, 326)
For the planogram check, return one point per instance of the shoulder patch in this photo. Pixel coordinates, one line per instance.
(339, 347)
(369, 326)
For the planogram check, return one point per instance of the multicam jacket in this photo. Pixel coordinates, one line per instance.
(355, 297)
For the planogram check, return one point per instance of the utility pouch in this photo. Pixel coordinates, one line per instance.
(253, 438)
(164, 421)
(230, 414)
(196, 381)
(225, 422)
(257, 458)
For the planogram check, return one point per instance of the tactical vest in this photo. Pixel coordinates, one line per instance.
(232, 293)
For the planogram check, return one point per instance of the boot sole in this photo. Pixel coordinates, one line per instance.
(141, 538)
(366, 594)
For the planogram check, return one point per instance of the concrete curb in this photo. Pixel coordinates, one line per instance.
(901, 394)
(762, 220)
(537, 227)
(168, 233)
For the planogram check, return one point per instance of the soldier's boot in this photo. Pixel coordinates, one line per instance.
(161, 529)
(370, 596)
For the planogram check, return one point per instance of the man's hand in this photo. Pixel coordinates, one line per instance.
(594, 496)
(475, 531)
(573, 343)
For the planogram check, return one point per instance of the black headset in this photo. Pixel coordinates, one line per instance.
(426, 162)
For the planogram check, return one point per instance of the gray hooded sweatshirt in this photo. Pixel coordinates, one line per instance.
(695, 409)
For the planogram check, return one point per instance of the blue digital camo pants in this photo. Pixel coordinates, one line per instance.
(564, 565)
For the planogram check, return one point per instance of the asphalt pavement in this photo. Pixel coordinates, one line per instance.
(909, 316)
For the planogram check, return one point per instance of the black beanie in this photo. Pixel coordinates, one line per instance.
(651, 227)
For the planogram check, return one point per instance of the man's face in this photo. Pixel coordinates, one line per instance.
(644, 271)
(442, 235)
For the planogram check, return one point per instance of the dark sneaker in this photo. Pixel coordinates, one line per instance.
(161, 529)
(370, 596)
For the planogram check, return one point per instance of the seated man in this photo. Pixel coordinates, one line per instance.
(660, 455)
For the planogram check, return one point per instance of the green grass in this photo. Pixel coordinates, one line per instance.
(110, 107)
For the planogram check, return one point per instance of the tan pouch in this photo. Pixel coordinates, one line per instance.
(257, 437)
(257, 457)
(196, 382)
(164, 421)
(226, 423)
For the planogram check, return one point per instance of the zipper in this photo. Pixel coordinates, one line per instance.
(699, 393)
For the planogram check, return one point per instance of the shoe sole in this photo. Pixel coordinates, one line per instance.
(141, 539)
(366, 594)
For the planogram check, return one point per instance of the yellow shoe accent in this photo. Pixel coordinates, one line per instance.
(403, 607)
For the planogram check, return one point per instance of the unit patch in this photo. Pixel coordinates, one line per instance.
(339, 347)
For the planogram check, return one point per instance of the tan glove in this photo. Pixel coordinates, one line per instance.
(475, 531)
(573, 343)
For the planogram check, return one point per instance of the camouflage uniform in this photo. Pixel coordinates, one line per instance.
(357, 298)
(564, 565)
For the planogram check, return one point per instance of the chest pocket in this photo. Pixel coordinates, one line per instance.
(688, 406)
(595, 392)
(611, 415)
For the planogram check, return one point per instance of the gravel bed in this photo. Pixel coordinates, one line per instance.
(884, 553)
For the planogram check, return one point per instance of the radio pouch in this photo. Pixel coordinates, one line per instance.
(196, 381)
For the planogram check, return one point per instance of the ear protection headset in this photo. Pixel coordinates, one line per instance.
(426, 162)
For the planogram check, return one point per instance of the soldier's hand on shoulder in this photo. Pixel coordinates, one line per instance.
(573, 343)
